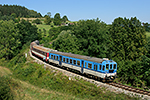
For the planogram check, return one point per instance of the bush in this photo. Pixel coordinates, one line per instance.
(37, 21)
(5, 90)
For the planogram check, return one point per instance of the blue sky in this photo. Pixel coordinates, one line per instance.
(105, 10)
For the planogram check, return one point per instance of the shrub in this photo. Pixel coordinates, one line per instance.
(5, 90)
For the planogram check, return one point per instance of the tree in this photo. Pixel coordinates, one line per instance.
(57, 19)
(48, 19)
(148, 47)
(37, 21)
(14, 15)
(93, 36)
(49, 14)
(67, 42)
(64, 19)
(146, 26)
(27, 31)
(9, 41)
(128, 38)
(90, 37)
(128, 50)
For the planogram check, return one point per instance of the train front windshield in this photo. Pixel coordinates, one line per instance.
(111, 68)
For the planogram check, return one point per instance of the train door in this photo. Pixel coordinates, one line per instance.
(60, 60)
(95, 67)
(82, 65)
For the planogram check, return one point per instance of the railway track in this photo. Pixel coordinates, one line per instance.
(137, 91)
(129, 88)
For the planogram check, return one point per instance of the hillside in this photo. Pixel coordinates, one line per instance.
(28, 80)
(17, 11)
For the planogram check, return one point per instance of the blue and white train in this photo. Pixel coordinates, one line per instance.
(100, 68)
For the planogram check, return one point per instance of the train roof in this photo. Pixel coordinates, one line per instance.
(88, 58)
(41, 48)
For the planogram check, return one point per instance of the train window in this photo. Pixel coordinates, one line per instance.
(107, 66)
(67, 60)
(95, 67)
(78, 62)
(89, 65)
(56, 57)
(100, 66)
(103, 67)
(110, 66)
(74, 62)
(85, 64)
(52, 56)
(71, 61)
(63, 59)
(115, 66)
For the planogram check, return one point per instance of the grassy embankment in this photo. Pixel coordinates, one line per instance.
(28, 80)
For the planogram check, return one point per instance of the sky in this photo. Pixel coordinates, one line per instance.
(75, 10)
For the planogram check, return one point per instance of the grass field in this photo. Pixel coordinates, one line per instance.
(148, 34)
(46, 27)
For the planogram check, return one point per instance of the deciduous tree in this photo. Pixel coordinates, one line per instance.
(9, 41)
(27, 31)
(57, 19)
(129, 39)
(64, 19)
(48, 19)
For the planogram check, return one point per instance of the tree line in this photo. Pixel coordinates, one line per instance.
(17, 11)
(57, 20)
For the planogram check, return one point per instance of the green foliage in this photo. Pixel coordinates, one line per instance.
(88, 37)
(64, 19)
(57, 19)
(5, 89)
(67, 42)
(93, 36)
(7, 18)
(37, 21)
(148, 47)
(47, 20)
(9, 41)
(146, 27)
(53, 34)
(14, 36)
(128, 50)
(128, 38)
(18, 11)
(27, 31)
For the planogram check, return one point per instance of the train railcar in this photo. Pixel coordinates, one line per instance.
(103, 68)
(40, 51)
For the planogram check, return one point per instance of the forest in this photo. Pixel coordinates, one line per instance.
(124, 41)
(17, 11)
